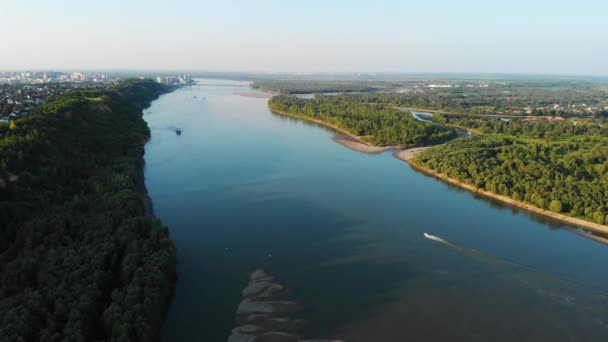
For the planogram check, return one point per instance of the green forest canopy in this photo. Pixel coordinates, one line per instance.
(554, 166)
(80, 259)
(377, 124)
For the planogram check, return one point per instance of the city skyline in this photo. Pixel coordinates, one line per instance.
(343, 37)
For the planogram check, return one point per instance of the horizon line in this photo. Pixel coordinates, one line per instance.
(161, 70)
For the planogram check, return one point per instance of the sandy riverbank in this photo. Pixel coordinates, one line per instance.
(358, 145)
(409, 153)
(571, 220)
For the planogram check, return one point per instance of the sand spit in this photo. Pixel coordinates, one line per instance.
(409, 153)
(357, 145)
(266, 313)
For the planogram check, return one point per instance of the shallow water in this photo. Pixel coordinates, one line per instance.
(242, 188)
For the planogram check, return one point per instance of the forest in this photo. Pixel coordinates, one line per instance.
(375, 124)
(81, 256)
(556, 166)
(541, 128)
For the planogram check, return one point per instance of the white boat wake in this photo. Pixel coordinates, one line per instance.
(438, 239)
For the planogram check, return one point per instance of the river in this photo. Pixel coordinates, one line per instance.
(242, 188)
(422, 116)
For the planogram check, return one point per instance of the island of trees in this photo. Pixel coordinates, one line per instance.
(81, 257)
(375, 124)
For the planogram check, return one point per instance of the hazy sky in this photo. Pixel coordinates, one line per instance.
(531, 36)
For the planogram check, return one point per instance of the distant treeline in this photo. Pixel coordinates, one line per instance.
(377, 124)
(312, 87)
(80, 259)
(509, 99)
(485, 96)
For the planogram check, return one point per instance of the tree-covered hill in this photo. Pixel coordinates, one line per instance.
(377, 124)
(80, 257)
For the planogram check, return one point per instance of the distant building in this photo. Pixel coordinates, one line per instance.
(172, 80)
(78, 76)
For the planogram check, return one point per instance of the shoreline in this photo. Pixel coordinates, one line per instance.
(595, 227)
(145, 196)
(409, 153)
(141, 186)
(406, 153)
(344, 137)
(359, 146)
(141, 182)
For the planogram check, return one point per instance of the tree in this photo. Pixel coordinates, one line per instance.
(516, 196)
(555, 206)
(598, 217)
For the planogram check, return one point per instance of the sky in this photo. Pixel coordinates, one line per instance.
(532, 36)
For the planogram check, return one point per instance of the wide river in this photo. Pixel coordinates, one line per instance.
(242, 188)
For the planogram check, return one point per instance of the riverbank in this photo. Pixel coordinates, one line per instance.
(143, 191)
(409, 153)
(359, 146)
(567, 219)
(345, 137)
(406, 153)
